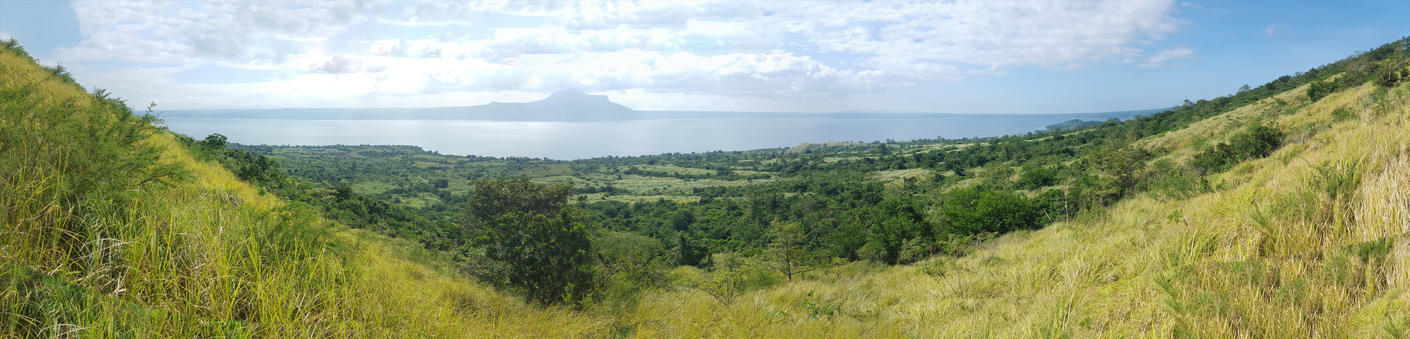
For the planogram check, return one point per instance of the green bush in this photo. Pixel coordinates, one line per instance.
(1342, 114)
(915, 250)
(630, 263)
(1319, 89)
(1037, 177)
(1255, 142)
(872, 251)
(1171, 181)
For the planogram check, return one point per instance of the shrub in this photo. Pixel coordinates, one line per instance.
(1319, 89)
(1052, 205)
(733, 276)
(1255, 142)
(916, 249)
(1171, 181)
(630, 263)
(1342, 114)
(872, 251)
(1037, 177)
(1258, 141)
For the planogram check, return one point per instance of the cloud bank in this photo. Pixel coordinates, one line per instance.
(433, 53)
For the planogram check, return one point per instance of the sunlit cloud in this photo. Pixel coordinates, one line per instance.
(1165, 57)
(428, 51)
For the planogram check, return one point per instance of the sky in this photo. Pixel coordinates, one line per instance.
(958, 56)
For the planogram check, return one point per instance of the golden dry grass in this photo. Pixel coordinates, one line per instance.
(210, 255)
(1269, 254)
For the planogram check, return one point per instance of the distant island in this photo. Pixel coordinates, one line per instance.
(1073, 124)
(563, 105)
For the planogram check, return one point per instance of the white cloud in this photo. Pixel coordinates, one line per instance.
(692, 49)
(1164, 57)
(229, 31)
(338, 64)
(1270, 30)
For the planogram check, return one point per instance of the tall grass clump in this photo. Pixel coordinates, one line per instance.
(71, 164)
(92, 202)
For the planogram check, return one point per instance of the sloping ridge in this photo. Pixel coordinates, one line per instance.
(1308, 242)
(191, 251)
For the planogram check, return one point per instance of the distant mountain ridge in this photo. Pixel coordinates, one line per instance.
(592, 108)
(563, 105)
(573, 105)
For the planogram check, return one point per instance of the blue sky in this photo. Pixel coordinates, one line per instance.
(1021, 56)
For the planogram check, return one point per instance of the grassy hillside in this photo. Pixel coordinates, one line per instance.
(1309, 242)
(111, 228)
(115, 227)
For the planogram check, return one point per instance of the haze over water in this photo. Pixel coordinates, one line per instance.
(676, 132)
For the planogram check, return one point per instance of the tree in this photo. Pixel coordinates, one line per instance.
(893, 222)
(527, 227)
(1122, 165)
(975, 210)
(786, 249)
(215, 142)
(1319, 89)
(630, 263)
(1392, 72)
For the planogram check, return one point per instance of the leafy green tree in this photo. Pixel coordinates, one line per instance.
(972, 210)
(215, 141)
(897, 220)
(542, 243)
(1122, 166)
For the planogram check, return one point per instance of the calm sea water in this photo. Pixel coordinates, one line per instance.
(578, 140)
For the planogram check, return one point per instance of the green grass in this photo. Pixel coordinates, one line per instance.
(112, 229)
